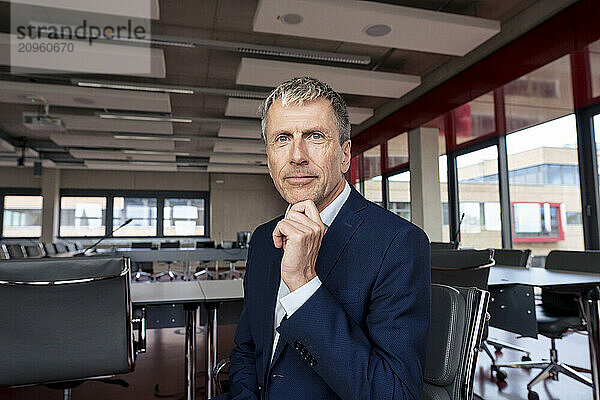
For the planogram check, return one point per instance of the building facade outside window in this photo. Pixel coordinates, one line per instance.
(22, 216)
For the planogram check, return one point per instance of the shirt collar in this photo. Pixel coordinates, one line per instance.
(332, 210)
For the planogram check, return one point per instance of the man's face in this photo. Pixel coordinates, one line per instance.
(305, 158)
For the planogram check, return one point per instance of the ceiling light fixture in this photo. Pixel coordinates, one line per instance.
(291, 18)
(125, 86)
(133, 117)
(250, 94)
(153, 138)
(152, 152)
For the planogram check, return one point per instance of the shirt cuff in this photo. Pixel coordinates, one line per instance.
(293, 301)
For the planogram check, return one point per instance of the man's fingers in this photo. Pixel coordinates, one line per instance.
(283, 230)
(309, 208)
(303, 219)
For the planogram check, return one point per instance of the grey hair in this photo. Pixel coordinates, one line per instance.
(297, 91)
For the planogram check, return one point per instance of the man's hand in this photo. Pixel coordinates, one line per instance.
(300, 234)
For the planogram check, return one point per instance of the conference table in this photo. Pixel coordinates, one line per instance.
(585, 285)
(191, 295)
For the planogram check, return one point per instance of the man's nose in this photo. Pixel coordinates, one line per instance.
(299, 156)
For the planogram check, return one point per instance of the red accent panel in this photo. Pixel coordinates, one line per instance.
(568, 31)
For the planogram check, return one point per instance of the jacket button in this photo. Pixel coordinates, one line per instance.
(304, 351)
(297, 345)
(312, 361)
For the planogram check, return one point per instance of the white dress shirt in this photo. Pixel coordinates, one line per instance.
(288, 302)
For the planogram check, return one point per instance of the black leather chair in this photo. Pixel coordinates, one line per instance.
(15, 251)
(458, 318)
(34, 250)
(558, 314)
(49, 249)
(60, 248)
(50, 313)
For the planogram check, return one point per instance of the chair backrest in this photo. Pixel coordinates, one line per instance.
(457, 324)
(443, 245)
(34, 250)
(60, 248)
(512, 257)
(210, 244)
(15, 251)
(461, 267)
(170, 245)
(49, 249)
(580, 261)
(64, 319)
(141, 245)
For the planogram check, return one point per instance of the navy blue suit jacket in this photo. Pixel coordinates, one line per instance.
(361, 335)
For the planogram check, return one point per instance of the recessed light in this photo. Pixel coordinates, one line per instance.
(378, 30)
(292, 19)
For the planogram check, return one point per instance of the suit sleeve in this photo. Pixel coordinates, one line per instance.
(242, 370)
(385, 359)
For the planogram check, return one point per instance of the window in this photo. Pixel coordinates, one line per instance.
(183, 217)
(544, 187)
(537, 222)
(84, 213)
(141, 210)
(399, 194)
(22, 216)
(443, 173)
(82, 216)
(479, 196)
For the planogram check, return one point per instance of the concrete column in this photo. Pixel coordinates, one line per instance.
(51, 208)
(425, 199)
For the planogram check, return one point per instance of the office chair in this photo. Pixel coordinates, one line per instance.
(3, 252)
(509, 258)
(458, 318)
(15, 251)
(210, 244)
(169, 272)
(557, 314)
(51, 312)
(443, 246)
(60, 248)
(49, 249)
(466, 268)
(139, 272)
(34, 250)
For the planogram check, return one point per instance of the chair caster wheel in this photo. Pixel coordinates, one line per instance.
(170, 279)
(532, 395)
(525, 358)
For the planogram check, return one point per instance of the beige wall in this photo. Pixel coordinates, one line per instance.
(240, 203)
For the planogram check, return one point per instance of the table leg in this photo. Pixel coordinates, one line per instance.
(190, 352)
(591, 308)
(211, 348)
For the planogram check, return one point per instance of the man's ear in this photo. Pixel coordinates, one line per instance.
(346, 156)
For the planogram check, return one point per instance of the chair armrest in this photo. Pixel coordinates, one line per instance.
(139, 323)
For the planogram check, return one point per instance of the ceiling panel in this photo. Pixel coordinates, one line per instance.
(119, 155)
(130, 166)
(239, 146)
(130, 8)
(96, 124)
(237, 169)
(407, 28)
(228, 158)
(268, 73)
(249, 108)
(107, 141)
(71, 96)
(240, 131)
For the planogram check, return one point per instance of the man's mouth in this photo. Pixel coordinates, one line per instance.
(300, 179)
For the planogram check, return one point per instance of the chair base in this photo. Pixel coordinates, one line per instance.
(142, 274)
(550, 369)
(171, 274)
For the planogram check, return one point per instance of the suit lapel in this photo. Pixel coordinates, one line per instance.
(273, 279)
(339, 233)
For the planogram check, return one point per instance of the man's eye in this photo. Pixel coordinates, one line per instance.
(281, 138)
(316, 135)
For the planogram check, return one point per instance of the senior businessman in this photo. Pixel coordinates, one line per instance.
(337, 290)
